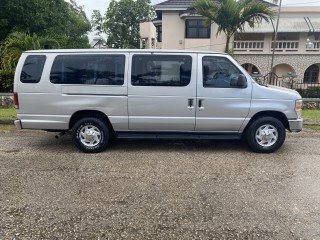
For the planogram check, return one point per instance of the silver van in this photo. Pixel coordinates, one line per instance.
(101, 94)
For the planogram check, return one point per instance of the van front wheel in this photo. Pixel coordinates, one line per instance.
(266, 135)
(90, 135)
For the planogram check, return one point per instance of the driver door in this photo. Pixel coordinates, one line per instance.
(222, 105)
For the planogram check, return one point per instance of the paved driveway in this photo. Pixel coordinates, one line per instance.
(158, 189)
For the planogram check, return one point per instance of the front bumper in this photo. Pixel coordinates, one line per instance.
(17, 123)
(296, 125)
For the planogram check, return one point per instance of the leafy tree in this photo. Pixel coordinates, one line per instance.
(23, 23)
(57, 18)
(97, 22)
(122, 20)
(77, 27)
(231, 15)
(11, 50)
(18, 42)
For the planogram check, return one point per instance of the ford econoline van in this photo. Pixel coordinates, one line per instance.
(101, 94)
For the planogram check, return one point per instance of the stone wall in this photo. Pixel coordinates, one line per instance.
(299, 63)
(6, 100)
(311, 103)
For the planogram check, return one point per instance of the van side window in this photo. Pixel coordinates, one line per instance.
(161, 70)
(32, 69)
(219, 72)
(88, 69)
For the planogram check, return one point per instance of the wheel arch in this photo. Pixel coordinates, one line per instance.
(278, 115)
(89, 113)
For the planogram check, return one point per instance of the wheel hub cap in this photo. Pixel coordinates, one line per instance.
(267, 135)
(90, 136)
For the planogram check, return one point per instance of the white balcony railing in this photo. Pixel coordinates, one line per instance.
(282, 46)
(248, 45)
(285, 45)
(313, 45)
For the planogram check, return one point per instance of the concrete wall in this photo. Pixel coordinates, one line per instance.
(173, 35)
(173, 28)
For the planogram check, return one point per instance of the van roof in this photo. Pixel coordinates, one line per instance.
(118, 50)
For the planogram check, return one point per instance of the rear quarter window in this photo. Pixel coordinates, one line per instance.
(32, 69)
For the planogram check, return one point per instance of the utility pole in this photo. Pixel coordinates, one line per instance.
(275, 38)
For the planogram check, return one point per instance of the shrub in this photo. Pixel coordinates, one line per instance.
(6, 80)
(311, 92)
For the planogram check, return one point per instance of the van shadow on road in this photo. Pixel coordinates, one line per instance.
(49, 143)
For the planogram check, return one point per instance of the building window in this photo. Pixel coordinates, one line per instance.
(159, 15)
(159, 33)
(311, 74)
(196, 28)
(250, 68)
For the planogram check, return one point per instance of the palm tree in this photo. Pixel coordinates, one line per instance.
(231, 15)
(10, 52)
(17, 42)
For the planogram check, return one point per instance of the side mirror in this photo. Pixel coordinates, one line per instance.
(242, 81)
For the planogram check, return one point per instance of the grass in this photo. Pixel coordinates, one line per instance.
(7, 114)
(311, 115)
(7, 128)
(313, 127)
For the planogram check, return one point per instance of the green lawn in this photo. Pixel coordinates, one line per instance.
(313, 127)
(7, 114)
(7, 128)
(311, 115)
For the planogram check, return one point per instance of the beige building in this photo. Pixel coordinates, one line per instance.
(296, 49)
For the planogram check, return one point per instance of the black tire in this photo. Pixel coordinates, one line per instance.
(90, 135)
(265, 135)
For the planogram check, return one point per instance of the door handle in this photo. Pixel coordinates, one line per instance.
(200, 104)
(190, 104)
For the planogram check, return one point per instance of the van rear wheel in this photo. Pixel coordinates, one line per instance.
(266, 135)
(90, 135)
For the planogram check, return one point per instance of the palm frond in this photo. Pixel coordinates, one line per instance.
(207, 9)
(17, 42)
(232, 16)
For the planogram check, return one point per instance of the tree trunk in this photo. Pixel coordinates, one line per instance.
(227, 43)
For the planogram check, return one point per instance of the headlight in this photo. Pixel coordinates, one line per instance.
(298, 107)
